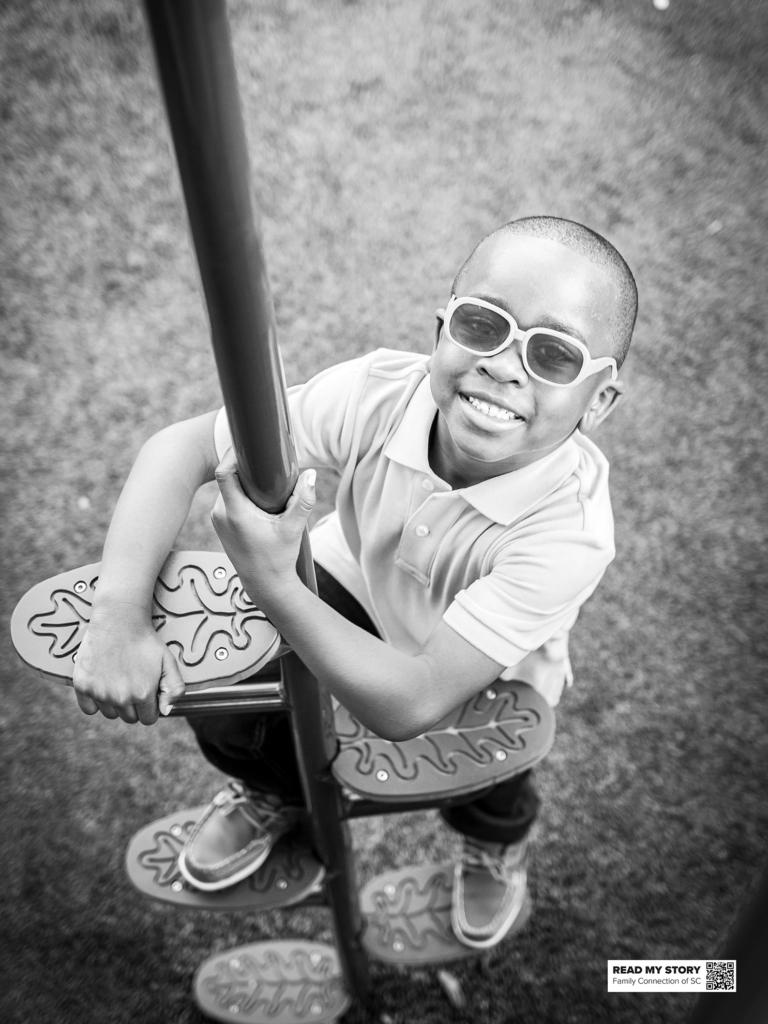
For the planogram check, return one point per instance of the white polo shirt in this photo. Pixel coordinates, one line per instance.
(507, 563)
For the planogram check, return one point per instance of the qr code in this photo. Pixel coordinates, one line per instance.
(721, 975)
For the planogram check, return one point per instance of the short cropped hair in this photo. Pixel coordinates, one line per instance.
(597, 250)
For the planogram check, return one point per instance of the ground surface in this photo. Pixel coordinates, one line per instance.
(387, 136)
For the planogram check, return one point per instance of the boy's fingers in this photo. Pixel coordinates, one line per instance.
(106, 709)
(86, 704)
(147, 710)
(303, 499)
(171, 683)
(127, 712)
(231, 490)
(226, 475)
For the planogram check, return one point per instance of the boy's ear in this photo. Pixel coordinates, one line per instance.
(604, 401)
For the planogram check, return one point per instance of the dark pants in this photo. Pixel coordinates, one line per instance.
(258, 749)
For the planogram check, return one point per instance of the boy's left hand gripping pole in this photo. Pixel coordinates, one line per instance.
(196, 67)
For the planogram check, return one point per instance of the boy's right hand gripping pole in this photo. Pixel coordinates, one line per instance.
(197, 73)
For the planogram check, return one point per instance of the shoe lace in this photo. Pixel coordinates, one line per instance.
(477, 857)
(259, 812)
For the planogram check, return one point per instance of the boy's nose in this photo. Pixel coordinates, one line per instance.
(506, 367)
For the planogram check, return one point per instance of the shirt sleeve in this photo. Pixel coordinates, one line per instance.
(323, 413)
(536, 585)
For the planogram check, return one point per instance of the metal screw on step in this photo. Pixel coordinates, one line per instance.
(80, 587)
(490, 694)
(281, 883)
(381, 775)
(177, 886)
(177, 830)
(500, 755)
(221, 654)
(220, 573)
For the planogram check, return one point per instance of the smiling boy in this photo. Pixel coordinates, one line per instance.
(472, 521)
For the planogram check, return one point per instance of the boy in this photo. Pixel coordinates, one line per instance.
(472, 521)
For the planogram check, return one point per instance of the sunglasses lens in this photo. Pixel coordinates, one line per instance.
(554, 359)
(478, 328)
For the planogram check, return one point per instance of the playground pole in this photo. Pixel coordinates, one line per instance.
(197, 74)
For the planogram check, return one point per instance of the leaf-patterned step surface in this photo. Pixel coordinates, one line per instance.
(199, 610)
(286, 982)
(408, 916)
(288, 876)
(503, 731)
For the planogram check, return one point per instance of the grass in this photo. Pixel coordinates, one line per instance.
(387, 136)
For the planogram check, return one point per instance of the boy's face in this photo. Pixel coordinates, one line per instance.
(540, 283)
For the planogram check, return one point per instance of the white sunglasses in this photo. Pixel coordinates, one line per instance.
(548, 356)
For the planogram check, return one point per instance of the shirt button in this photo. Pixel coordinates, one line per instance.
(421, 530)
(427, 484)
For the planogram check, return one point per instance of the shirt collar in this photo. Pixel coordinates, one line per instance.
(503, 499)
(409, 444)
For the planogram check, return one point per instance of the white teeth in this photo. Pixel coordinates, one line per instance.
(494, 411)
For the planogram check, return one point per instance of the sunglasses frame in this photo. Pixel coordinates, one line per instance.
(589, 366)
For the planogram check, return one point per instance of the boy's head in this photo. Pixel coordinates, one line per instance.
(508, 394)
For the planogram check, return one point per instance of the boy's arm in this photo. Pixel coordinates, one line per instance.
(395, 694)
(122, 664)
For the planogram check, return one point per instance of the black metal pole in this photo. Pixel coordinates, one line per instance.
(197, 73)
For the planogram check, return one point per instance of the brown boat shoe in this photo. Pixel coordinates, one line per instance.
(234, 837)
(489, 890)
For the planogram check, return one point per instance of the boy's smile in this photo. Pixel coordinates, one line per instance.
(493, 416)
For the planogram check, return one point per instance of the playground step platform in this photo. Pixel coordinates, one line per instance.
(503, 731)
(199, 610)
(407, 912)
(407, 916)
(289, 876)
(286, 982)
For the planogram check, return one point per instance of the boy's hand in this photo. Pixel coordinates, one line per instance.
(264, 548)
(124, 670)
